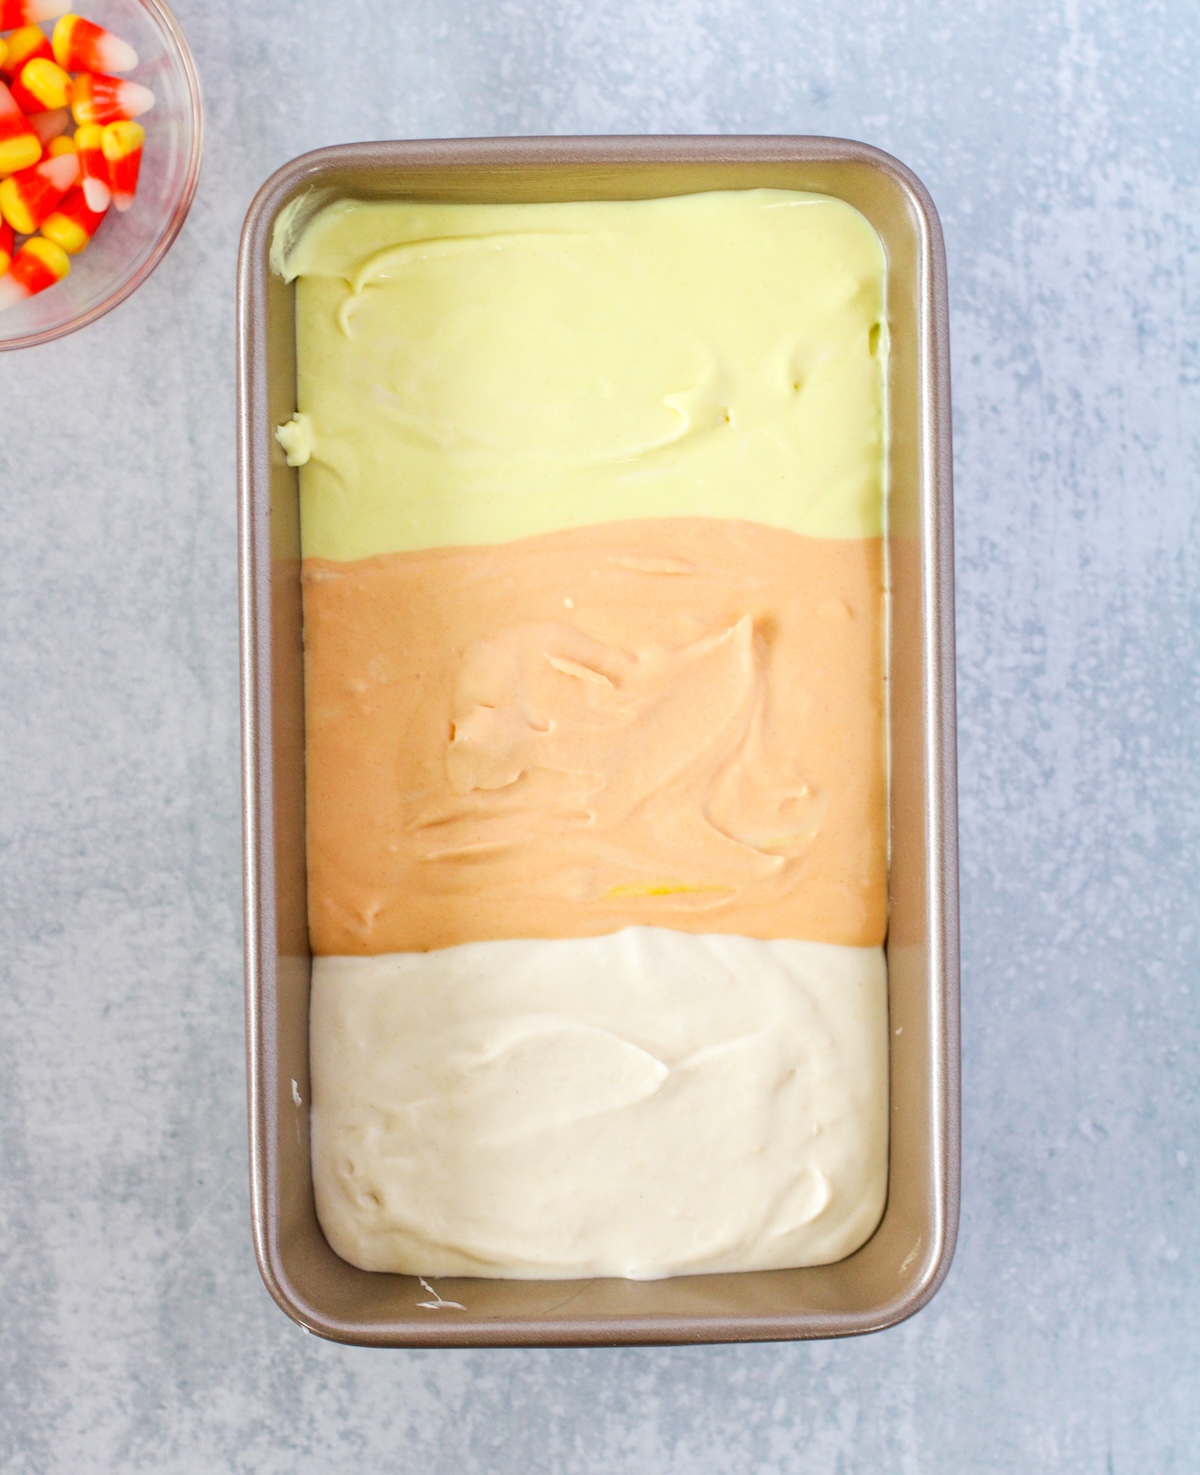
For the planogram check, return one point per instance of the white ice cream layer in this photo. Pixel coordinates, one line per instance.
(642, 1104)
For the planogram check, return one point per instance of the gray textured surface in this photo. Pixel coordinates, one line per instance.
(1060, 143)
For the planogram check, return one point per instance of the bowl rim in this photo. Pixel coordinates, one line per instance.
(160, 12)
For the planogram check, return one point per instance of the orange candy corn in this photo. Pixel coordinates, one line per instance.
(49, 125)
(6, 245)
(101, 99)
(60, 145)
(14, 13)
(28, 197)
(93, 166)
(122, 146)
(36, 266)
(19, 144)
(3, 52)
(23, 46)
(81, 46)
(23, 98)
(73, 224)
(46, 81)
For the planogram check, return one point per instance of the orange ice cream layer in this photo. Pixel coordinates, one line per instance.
(675, 722)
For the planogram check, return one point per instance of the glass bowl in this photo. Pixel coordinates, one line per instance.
(127, 247)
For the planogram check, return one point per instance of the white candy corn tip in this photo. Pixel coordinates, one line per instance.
(11, 291)
(114, 55)
(61, 172)
(39, 10)
(135, 99)
(97, 194)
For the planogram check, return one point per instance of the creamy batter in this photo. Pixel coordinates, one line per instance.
(478, 373)
(642, 1104)
(675, 721)
(592, 513)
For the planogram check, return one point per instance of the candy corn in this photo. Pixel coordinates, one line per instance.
(36, 266)
(14, 13)
(49, 125)
(93, 166)
(122, 145)
(51, 182)
(101, 99)
(81, 46)
(46, 81)
(73, 224)
(23, 98)
(19, 144)
(28, 197)
(24, 45)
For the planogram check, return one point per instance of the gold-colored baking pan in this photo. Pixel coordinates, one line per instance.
(905, 1261)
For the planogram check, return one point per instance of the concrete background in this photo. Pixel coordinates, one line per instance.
(1059, 140)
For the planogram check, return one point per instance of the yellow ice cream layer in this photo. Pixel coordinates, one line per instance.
(473, 374)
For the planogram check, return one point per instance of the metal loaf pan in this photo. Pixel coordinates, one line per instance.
(903, 1264)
